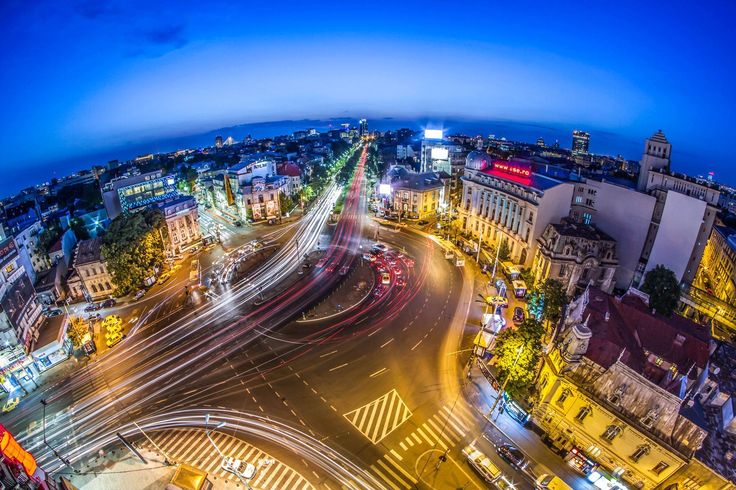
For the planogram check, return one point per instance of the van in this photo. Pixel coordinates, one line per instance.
(482, 464)
(551, 482)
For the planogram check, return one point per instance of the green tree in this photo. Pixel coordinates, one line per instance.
(307, 193)
(516, 355)
(663, 289)
(504, 252)
(134, 248)
(554, 299)
(77, 331)
(285, 203)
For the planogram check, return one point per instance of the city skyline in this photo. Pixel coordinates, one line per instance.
(123, 73)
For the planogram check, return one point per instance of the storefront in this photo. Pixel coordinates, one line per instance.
(52, 346)
(605, 481)
(579, 460)
(15, 368)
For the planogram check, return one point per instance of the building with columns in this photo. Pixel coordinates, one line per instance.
(182, 222)
(577, 255)
(506, 201)
(616, 393)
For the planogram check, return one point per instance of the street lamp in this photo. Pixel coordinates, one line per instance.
(62, 459)
(212, 441)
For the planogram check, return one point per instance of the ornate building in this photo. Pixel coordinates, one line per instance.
(182, 222)
(94, 281)
(576, 254)
(615, 393)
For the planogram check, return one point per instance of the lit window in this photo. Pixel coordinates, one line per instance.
(563, 396)
(584, 412)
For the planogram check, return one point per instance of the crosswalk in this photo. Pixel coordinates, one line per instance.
(443, 430)
(379, 418)
(191, 446)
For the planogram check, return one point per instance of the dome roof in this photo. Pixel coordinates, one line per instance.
(478, 160)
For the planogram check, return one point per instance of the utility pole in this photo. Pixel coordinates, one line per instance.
(62, 459)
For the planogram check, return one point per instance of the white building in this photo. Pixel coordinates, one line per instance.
(657, 154)
(438, 154)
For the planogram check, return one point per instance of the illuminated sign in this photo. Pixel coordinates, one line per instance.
(440, 153)
(384, 189)
(7, 251)
(516, 168)
(433, 134)
(11, 450)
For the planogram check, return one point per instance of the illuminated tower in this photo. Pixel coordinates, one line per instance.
(580, 142)
(657, 153)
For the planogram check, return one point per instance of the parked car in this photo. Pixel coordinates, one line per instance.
(512, 455)
(482, 464)
(239, 467)
(108, 303)
(163, 278)
(238, 223)
(52, 312)
(379, 247)
(92, 307)
(344, 270)
(139, 294)
(519, 315)
(113, 339)
(321, 262)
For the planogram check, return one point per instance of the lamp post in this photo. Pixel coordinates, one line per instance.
(61, 458)
(212, 441)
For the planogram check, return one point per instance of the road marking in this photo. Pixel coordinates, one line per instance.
(396, 455)
(402, 470)
(387, 342)
(385, 478)
(380, 371)
(403, 446)
(338, 367)
(328, 354)
(417, 344)
(393, 473)
(419, 441)
(380, 417)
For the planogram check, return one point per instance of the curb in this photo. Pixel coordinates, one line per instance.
(351, 307)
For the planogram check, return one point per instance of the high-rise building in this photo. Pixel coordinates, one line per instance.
(540, 142)
(218, 141)
(580, 142)
(363, 127)
(657, 153)
(229, 141)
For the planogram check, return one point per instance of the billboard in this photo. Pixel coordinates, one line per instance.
(7, 251)
(384, 189)
(440, 153)
(522, 169)
(271, 209)
(433, 134)
(18, 297)
(11, 450)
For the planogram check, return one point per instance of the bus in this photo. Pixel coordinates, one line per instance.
(194, 271)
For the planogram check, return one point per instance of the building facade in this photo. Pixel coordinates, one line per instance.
(91, 268)
(132, 192)
(616, 391)
(580, 142)
(505, 201)
(182, 223)
(577, 255)
(656, 156)
(418, 195)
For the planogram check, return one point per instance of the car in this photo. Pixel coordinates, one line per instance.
(397, 271)
(409, 262)
(401, 282)
(379, 247)
(11, 404)
(344, 270)
(482, 464)
(238, 223)
(423, 222)
(113, 339)
(52, 312)
(94, 316)
(512, 455)
(163, 278)
(139, 294)
(504, 483)
(369, 257)
(321, 262)
(519, 315)
(378, 292)
(385, 278)
(239, 467)
(108, 303)
(332, 266)
(92, 307)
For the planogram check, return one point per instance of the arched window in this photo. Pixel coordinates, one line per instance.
(651, 417)
(611, 432)
(584, 412)
(563, 396)
(641, 451)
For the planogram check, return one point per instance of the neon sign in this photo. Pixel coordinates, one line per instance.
(520, 169)
(11, 450)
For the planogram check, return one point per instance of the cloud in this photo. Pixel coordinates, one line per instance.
(158, 41)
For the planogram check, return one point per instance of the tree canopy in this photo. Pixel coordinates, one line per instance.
(555, 300)
(663, 289)
(133, 248)
(76, 331)
(517, 353)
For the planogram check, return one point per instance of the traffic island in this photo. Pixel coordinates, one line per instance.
(352, 292)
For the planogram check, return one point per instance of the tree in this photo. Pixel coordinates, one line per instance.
(80, 231)
(504, 252)
(285, 203)
(554, 300)
(663, 289)
(307, 193)
(77, 331)
(134, 248)
(516, 356)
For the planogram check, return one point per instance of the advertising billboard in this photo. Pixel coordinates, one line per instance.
(7, 251)
(433, 134)
(384, 189)
(440, 153)
(17, 298)
(271, 210)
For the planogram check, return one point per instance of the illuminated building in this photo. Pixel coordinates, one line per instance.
(418, 195)
(218, 141)
(506, 201)
(438, 154)
(580, 142)
(577, 255)
(363, 128)
(657, 153)
(20, 313)
(716, 277)
(617, 392)
(540, 142)
(134, 192)
(182, 222)
(91, 268)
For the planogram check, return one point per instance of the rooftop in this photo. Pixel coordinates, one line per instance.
(626, 329)
(401, 178)
(581, 230)
(88, 251)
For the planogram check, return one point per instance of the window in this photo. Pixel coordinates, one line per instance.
(107, 285)
(615, 397)
(661, 466)
(650, 418)
(564, 395)
(642, 450)
(587, 218)
(563, 270)
(589, 202)
(94, 288)
(578, 199)
(584, 412)
(611, 432)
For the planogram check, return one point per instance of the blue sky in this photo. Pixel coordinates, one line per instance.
(81, 77)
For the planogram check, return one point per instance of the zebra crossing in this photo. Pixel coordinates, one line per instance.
(379, 418)
(191, 446)
(443, 430)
